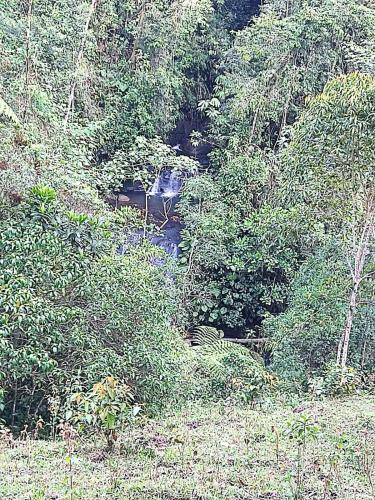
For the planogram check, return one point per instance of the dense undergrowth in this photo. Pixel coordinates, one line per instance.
(278, 228)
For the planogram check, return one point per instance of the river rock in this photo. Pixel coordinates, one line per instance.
(122, 198)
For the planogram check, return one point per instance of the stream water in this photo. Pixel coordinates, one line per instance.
(165, 192)
(162, 200)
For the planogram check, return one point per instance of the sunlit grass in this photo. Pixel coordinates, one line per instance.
(215, 452)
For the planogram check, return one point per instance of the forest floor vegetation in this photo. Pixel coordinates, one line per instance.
(310, 450)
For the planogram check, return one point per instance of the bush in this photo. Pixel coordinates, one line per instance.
(66, 308)
(305, 336)
(106, 408)
(130, 305)
(227, 370)
(340, 381)
(41, 325)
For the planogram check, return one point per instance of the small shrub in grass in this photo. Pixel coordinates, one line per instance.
(105, 408)
(6, 437)
(336, 381)
(248, 379)
(301, 429)
(341, 381)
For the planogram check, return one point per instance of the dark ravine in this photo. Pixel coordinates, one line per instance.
(164, 194)
(180, 139)
(161, 210)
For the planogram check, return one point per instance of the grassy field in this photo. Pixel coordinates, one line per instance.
(215, 452)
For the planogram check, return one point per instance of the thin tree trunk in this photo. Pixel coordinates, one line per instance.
(349, 324)
(133, 57)
(94, 4)
(28, 59)
(357, 276)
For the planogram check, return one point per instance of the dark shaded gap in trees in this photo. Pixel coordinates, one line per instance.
(241, 12)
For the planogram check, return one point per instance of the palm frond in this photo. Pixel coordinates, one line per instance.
(7, 111)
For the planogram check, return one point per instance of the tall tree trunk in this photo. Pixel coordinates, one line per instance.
(94, 4)
(361, 253)
(344, 344)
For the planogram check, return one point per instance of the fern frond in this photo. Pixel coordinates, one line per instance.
(231, 368)
(203, 335)
(210, 340)
(7, 111)
(217, 352)
(214, 350)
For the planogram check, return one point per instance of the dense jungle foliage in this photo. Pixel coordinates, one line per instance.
(278, 223)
